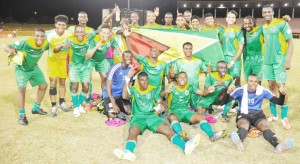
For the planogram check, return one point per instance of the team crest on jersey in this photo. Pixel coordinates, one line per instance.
(148, 96)
(273, 29)
(186, 92)
(158, 67)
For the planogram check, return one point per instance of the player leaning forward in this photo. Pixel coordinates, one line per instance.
(33, 49)
(144, 97)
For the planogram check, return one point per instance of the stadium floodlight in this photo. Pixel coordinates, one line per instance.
(197, 5)
(298, 4)
(184, 5)
(221, 6)
(246, 5)
(258, 5)
(272, 4)
(233, 5)
(209, 5)
(286, 4)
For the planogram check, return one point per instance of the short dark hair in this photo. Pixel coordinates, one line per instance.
(181, 72)
(39, 30)
(187, 43)
(61, 18)
(142, 74)
(82, 12)
(268, 6)
(127, 51)
(168, 13)
(252, 74)
(208, 15)
(233, 12)
(195, 17)
(221, 61)
(104, 25)
(77, 26)
(253, 19)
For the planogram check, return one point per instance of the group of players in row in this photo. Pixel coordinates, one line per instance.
(75, 52)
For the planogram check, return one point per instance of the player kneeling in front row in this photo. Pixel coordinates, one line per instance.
(179, 96)
(144, 117)
(33, 49)
(251, 97)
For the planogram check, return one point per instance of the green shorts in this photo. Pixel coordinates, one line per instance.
(184, 115)
(195, 100)
(235, 70)
(275, 72)
(207, 101)
(102, 66)
(253, 66)
(35, 77)
(146, 121)
(79, 72)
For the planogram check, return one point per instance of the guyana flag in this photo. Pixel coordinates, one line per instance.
(206, 45)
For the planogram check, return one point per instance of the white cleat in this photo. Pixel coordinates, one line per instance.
(191, 144)
(124, 154)
(76, 112)
(81, 109)
(237, 141)
(64, 107)
(272, 118)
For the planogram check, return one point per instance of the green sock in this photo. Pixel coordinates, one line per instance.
(284, 111)
(273, 109)
(226, 107)
(206, 128)
(36, 106)
(75, 99)
(176, 127)
(82, 97)
(21, 112)
(130, 145)
(176, 140)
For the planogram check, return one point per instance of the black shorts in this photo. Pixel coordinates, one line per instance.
(120, 102)
(253, 117)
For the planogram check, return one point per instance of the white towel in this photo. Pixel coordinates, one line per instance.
(244, 107)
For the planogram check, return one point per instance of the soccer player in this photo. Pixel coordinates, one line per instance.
(181, 23)
(232, 40)
(187, 17)
(90, 33)
(112, 92)
(193, 67)
(252, 54)
(33, 49)
(221, 82)
(178, 102)
(144, 97)
(210, 24)
(134, 18)
(195, 23)
(250, 113)
(57, 62)
(278, 50)
(98, 49)
(168, 21)
(79, 68)
(151, 17)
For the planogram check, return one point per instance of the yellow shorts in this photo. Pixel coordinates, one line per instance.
(57, 68)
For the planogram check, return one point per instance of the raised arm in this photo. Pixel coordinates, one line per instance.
(127, 84)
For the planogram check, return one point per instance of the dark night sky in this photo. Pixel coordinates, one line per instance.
(23, 10)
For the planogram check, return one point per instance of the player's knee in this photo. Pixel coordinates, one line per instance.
(242, 133)
(134, 130)
(52, 91)
(43, 86)
(172, 117)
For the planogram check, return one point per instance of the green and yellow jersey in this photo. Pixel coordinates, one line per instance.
(87, 29)
(276, 35)
(168, 26)
(31, 52)
(231, 38)
(78, 49)
(254, 44)
(179, 98)
(156, 71)
(143, 102)
(134, 25)
(100, 53)
(214, 77)
(55, 41)
(155, 25)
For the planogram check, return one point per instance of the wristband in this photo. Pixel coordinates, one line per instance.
(127, 79)
(232, 62)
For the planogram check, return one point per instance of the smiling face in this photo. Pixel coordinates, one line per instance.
(182, 79)
(82, 18)
(105, 33)
(209, 21)
(60, 27)
(39, 37)
(230, 18)
(180, 22)
(195, 23)
(168, 19)
(134, 17)
(79, 33)
(151, 17)
(126, 57)
(248, 24)
(222, 69)
(143, 82)
(188, 50)
(154, 52)
(252, 83)
(268, 13)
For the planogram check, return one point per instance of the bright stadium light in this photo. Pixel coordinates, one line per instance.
(258, 5)
(184, 5)
(209, 5)
(272, 4)
(298, 4)
(197, 5)
(233, 5)
(286, 4)
(246, 5)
